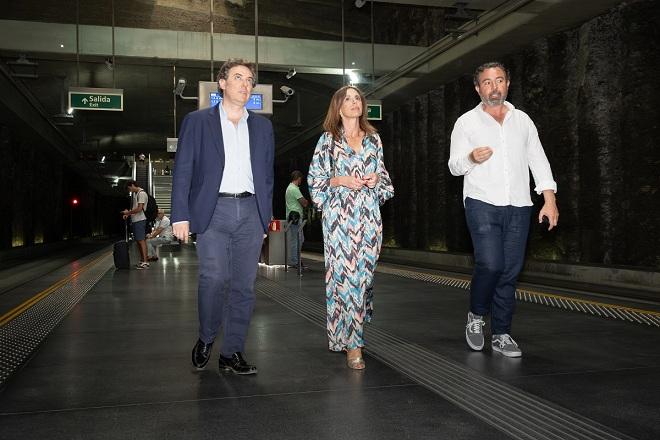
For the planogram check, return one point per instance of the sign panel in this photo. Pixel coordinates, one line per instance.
(88, 98)
(261, 100)
(374, 110)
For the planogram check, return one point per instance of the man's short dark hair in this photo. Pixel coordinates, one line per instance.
(223, 73)
(131, 183)
(295, 175)
(490, 65)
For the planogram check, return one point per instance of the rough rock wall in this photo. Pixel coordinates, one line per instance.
(32, 205)
(393, 24)
(38, 187)
(591, 93)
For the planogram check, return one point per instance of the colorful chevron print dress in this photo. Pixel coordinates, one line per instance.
(352, 233)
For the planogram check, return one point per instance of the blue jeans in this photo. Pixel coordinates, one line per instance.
(228, 252)
(499, 237)
(295, 239)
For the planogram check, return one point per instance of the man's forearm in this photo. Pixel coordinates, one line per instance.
(549, 196)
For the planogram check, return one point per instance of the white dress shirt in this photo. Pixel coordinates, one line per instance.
(237, 175)
(503, 179)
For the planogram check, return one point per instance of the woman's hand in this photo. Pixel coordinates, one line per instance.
(350, 182)
(371, 180)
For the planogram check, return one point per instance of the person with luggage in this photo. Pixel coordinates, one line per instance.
(138, 220)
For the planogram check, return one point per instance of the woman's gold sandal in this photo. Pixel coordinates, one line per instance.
(356, 363)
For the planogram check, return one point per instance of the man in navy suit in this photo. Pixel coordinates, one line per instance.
(222, 189)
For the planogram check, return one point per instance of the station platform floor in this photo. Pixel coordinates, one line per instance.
(90, 352)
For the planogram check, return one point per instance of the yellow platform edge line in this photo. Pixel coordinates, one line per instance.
(18, 310)
(538, 293)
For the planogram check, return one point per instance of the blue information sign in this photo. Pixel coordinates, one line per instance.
(256, 101)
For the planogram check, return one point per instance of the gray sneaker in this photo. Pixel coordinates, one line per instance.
(474, 332)
(506, 345)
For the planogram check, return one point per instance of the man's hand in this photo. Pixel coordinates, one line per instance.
(481, 154)
(371, 180)
(125, 212)
(549, 209)
(181, 231)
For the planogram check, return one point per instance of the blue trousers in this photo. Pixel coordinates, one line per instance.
(499, 237)
(295, 238)
(228, 252)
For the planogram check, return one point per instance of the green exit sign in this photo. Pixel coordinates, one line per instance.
(374, 111)
(87, 98)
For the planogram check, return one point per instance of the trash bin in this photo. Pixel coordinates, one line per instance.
(275, 244)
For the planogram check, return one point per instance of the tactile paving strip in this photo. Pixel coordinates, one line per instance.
(604, 310)
(518, 414)
(21, 335)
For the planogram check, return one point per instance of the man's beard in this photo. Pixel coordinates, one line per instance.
(493, 101)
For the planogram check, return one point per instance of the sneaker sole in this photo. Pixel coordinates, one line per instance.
(471, 345)
(515, 354)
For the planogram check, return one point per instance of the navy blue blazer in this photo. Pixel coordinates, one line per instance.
(200, 163)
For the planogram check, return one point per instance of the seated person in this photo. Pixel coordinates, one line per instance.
(161, 234)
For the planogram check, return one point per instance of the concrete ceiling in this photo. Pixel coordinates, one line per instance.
(152, 113)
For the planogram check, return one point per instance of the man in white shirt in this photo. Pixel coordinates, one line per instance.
(161, 234)
(138, 220)
(494, 146)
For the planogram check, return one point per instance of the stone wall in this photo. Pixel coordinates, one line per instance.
(37, 192)
(393, 24)
(591, 92)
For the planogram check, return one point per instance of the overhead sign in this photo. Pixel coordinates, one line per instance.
(261, 100)
(374, 110)
(88, 98)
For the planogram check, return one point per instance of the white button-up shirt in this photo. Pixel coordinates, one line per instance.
(503, 179)
(237, 175)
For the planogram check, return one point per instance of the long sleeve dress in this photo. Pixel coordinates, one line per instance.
(352, 233)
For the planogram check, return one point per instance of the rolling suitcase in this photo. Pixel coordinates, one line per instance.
(120, 252)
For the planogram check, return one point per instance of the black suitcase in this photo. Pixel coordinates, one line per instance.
(120, 253)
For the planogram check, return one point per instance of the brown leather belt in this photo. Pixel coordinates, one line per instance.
(235, 195)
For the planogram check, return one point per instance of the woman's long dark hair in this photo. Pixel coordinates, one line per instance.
(332, 123)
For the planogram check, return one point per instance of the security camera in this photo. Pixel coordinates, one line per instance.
(291, 73)
(288, 91)
(180, 86)
(360, 3)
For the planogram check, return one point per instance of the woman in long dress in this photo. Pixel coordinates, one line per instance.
(348, 182)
